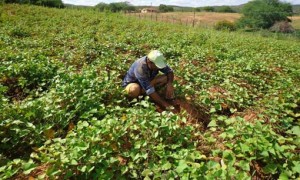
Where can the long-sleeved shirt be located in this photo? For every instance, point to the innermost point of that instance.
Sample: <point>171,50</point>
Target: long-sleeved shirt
<point>140,73</point>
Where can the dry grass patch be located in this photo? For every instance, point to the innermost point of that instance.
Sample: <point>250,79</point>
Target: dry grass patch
<point>296,22</point>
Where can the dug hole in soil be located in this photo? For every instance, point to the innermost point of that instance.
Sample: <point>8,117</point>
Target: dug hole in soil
<point>195,113</point>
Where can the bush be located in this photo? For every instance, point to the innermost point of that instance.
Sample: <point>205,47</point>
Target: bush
<point>264,13</point>
<point>283,27</point>
<point>225,9</point>
<point>225,25</point>
<point>209,9</point>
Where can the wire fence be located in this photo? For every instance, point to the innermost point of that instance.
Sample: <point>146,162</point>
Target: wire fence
<point>187,21</point>
<point>191,20</point>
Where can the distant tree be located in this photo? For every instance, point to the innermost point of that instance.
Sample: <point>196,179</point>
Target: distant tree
<point>198,9</point>
<point>117,7</point>
<point>130,8</point>
<point>209,9</point>
<point>162,8</point>
<point>11,1</point>
<point>48,3</point>
<point>264,13</point>
<point>165,8</point>
<point>225,9</point>
<point>102,7</point>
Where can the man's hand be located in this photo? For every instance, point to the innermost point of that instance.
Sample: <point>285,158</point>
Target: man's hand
<point>170,91</point>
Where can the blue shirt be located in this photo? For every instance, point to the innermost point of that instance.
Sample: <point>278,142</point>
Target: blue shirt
<point>140,73</point>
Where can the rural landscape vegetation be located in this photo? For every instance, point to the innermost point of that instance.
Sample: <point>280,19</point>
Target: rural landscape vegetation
<point>64,114</point>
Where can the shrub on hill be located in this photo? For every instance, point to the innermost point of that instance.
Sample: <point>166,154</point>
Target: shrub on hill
<point>225,25</point>
<point>165,8</point>
<point>209,9</point>
<point>115,7</point>
<point>283,27</point>
<point>264,13</point>
<point>225,9</point>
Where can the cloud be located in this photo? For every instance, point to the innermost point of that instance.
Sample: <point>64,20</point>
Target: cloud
<point>195,3</point>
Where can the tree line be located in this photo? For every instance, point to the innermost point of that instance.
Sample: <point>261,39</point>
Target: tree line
<point>47,3</point>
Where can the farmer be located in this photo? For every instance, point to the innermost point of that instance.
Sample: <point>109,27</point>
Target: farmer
<point>141,78</point>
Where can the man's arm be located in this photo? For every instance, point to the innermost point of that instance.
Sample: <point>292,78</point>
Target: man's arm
<point>170,77</point>
<point>170,87</point>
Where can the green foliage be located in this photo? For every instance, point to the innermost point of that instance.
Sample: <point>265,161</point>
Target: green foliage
<point>132,143</point>
<point>102,7</point>
<point>47,3</point>
<point>64,114</point>
<point>198,9</point>
<point>264,13</point>
<point>209,9</point>
<point>165,8</point>
<point>115,7</point>
<point>225,25</point>
<point>225,9</point>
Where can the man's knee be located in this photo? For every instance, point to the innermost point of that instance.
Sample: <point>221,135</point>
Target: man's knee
<point>133,90</point>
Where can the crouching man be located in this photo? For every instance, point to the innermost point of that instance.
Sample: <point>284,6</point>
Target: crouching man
<point>142,78</point>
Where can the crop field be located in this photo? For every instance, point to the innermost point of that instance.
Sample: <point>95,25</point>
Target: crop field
<point>64,115</point>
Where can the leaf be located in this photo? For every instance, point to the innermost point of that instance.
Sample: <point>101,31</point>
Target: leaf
<point>244,165</point>
<point>166,166</point>
<point>218,107</point>
<point>83,168</point>
<point>85,124</point>
<point>245,148</point>
<point>181,166</point>
<point>270,168</point>
<point>71,126</point>
<point>212,110</point>
<point>156,134</point>
<point>206,101</point>
<point>283,176</point>
<point>28,167</point>
<point>145,104</point>
<point>49,133</point>
<point>265,153</point>
<point>146,172</point>
<point>2,168</point>
<point>124,169</point>
<point>74,162</point>
<point>296,167</point>
<point>296,130</point>
<point>212,123</point>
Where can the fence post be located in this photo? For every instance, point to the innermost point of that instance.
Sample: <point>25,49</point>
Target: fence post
<point>194,18</point>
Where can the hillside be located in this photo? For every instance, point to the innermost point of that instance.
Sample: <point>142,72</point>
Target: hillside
<point>64,114</point>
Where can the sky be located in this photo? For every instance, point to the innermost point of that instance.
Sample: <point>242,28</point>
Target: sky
<point>190,3</point>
